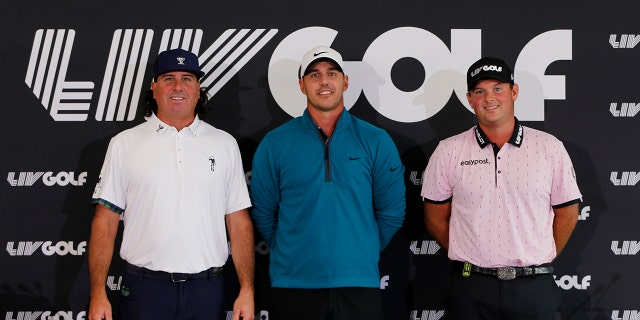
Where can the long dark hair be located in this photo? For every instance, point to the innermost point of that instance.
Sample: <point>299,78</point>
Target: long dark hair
<point>151,106</point>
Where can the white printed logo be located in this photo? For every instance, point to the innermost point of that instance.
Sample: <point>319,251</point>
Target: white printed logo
<point>427,247</point>
<point>626,315</point>
<point>414,177</point>
<point>486,68</point>
<point>628,248</point>
<point>572,282</point>
<point>625,41</point>
<point>124,74</point>
<point>584,213</point>
<point>426,315</point>
<point>384,282</point>
<point>67,315</point>
<point>624,178</point>
<point>62,248</point>
<point>113,284</point>
<point>445,71</point>
<point>28,179</point>
<point>628,110</point>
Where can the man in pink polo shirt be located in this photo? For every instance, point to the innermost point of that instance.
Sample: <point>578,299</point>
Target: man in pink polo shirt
<point>502,199</point>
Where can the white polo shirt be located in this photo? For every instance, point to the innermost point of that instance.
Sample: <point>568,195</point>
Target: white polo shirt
<point>501,210</point>
<point>174,190</point>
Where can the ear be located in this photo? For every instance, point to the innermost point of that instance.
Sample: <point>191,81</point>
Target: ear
<point>514,92</point>
<point>302,89</point>
<point>153,88</point>
<point>346,82</point>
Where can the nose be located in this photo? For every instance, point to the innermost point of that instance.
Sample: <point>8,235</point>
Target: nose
<point>489,96</point>
<point>177,85</point>
<point>323,78</point>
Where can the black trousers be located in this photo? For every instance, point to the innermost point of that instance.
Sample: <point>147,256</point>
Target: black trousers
<point>486,297</point>
<point>325,304</point>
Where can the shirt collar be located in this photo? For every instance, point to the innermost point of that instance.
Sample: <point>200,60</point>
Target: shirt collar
<point>343,119</point>
<point>162,128</point>
<point>516,136</point>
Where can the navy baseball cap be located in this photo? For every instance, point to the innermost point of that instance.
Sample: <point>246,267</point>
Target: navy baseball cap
<point>488,68</point>
<point>176,60</point>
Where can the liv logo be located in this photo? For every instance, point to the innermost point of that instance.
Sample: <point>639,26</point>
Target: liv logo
<point>624,110</point>
<point>625,248</point>
<point>624,41</point>
<point>426,247</point>
<point>124,74</point>
<point>624,178</point>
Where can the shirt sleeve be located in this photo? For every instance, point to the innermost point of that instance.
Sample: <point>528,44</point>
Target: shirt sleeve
<point>564,187</point>
<point>109,190</point>
<point>435,183</point>
<point>264,191</point>
<point>238,194</point>
<point>388,190</point>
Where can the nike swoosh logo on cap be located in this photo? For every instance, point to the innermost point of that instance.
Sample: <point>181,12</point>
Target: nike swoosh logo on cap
<point>319,53</point>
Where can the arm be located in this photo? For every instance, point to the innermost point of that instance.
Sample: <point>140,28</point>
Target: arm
<point>240,232</point>
<point>104,229</point>
<point>436,217</point>
<point>564,222</point>
<point>265,192</point>
<point>389,200</point>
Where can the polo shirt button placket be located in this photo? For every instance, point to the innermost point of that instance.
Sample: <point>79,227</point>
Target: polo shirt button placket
<point>179,149</point>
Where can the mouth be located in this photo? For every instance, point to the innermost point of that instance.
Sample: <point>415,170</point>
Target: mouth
<point>491,107</point>
<point>325,92</point>
<point>177,98</point>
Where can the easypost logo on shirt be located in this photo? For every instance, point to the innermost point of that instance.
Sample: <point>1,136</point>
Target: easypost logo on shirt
<point>474,162</point>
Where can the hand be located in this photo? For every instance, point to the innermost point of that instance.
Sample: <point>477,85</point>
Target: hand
<point>243,307</point>
<point>100,308</point>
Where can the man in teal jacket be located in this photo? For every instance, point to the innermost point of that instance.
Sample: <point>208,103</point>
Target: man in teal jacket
<point>328,195</point>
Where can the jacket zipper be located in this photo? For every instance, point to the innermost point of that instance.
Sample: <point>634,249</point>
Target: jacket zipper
<point>327,160</point>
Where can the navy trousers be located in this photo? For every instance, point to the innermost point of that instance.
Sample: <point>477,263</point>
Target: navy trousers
<point>144,298</point>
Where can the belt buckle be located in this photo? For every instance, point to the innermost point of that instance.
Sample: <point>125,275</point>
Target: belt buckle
<point>506,273</point>
<point>217,271</point>
<point>179,279</point>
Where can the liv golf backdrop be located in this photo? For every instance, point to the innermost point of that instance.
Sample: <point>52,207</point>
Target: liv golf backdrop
<point>73,72</point>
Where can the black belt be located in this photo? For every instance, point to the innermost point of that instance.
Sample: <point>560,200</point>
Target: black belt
<point>173,277</point>
<point>505,273</point>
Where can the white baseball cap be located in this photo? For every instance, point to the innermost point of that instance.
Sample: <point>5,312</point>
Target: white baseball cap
<point>320,53</point>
